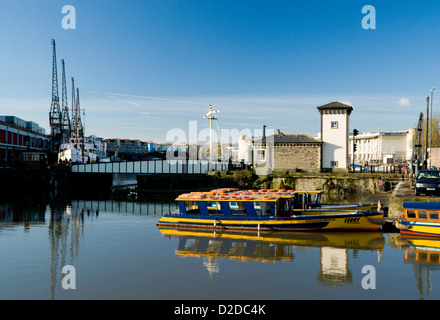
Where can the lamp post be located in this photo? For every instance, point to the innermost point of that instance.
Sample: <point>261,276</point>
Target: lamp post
<point>430,129</point>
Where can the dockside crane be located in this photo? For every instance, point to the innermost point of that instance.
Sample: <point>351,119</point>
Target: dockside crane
<point>55,115</point>
<point>78,129</point>
<point>65,124</point>
<point>77,126</point>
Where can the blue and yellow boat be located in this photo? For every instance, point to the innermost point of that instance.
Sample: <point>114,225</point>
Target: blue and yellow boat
<point>420,219</point>
<point>264,210</point>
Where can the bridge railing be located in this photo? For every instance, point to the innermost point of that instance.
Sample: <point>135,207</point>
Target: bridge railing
<point>152,167</point>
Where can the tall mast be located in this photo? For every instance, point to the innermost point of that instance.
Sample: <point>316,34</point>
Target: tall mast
<point>73,122</point>
<point>210,116</point>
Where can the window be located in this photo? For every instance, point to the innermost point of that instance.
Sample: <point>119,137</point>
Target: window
<point>261,155</point>
<point>433,215</point>
<point>192,207</point>
<point>334,124</point>
<point>262,208</point>
<point>411,214</point>
<point>334,164</point>
<point>237,208</point>
<point>423,215</point>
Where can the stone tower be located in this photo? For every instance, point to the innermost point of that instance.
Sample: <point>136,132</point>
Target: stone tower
<point>334,135</point>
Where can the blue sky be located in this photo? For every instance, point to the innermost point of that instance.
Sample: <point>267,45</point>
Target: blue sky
<point>146,67</point>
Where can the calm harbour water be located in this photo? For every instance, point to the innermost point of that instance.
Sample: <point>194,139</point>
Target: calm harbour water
<point>118,253</point>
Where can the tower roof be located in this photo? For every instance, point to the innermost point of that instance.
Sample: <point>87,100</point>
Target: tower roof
<point>336,106</point>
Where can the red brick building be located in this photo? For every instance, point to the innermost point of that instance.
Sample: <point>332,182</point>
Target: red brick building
<point>21,141</point>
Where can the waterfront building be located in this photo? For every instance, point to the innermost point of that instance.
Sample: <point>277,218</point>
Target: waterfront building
<point>382,148</point>
<point>244,151</point>
<point>129,147</point>
<point>21,141</point>
<point>334,135</point>
<point>286,153</point>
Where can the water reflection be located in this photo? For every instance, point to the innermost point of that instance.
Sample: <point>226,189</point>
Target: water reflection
<point>275,247</point>
<point>20,213</point>
<point>424,256</point>
<point>61,234</point>
<point>67,228</point>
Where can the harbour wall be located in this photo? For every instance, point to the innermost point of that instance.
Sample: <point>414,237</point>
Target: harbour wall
<point>96,184</point>
<point>331,183</point>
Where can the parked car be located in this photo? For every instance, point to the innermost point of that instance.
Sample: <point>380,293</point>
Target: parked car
<point>428,182</point>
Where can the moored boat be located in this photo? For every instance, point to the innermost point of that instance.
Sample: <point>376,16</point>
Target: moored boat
<point>265,210</point>
<point>420,219</point>
<point>75,151</point>
<point>311,200</point>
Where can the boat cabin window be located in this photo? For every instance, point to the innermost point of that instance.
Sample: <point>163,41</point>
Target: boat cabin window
<point>192,207</point>
<point>262,208</point>
<point>214,207</point>
<point>422,214</point>
<point>237,208</point>
<point>284,208</point>
<point>299,201</point>
<point>313,198</point>
<point>411,214</point>
<point>433,215</point>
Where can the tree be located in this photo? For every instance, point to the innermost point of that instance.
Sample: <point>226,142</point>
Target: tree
<point>435,131</point>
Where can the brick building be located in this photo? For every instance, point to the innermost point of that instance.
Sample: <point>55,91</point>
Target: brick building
<point>21,141</point>
<point>287,152</point>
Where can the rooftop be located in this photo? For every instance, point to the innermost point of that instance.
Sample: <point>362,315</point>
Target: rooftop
<point>335,105</point>
<point>290,138</point>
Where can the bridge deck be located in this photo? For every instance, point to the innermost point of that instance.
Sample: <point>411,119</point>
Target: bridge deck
<point>152,167</point>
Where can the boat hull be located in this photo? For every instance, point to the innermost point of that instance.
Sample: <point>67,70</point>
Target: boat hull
<point>342,222</point>
<point>419,229</point>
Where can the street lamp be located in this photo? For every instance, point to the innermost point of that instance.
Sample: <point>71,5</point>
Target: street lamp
<point>430,128</point>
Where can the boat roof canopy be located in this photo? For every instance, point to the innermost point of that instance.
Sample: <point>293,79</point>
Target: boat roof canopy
<point>234,194</point>
<point>422,205</point>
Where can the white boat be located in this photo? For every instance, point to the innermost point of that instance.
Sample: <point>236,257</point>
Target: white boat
<point>72,151</point>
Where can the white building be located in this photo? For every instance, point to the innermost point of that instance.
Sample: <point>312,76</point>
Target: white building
<point>334,135</point>
<point>244,150</point>
<point>377,148</point>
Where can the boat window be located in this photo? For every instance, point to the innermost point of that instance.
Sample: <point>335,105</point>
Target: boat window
<point>262,208</point>
<point>299,201</point>
<point>284,208</point>
<point>257,207</point>
<point>312,198</point>
<point>237,208</point>
<point>192,207</point>
<point>214,207</point>
<point>411,214</point>
<point>433,215</point>
<point>422,215</point>
<point>284,204</point>
<point>434,257</point>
